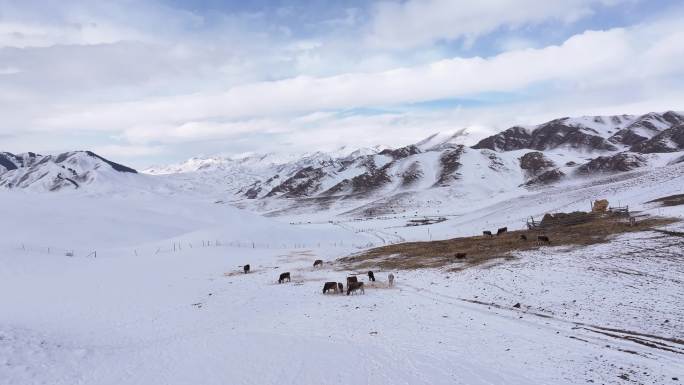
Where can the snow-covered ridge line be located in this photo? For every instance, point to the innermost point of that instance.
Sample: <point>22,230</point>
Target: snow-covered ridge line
<point>68,170</point>
<point>440,166</point>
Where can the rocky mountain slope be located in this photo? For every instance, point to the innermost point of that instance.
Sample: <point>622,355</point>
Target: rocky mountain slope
<point>532,156</point>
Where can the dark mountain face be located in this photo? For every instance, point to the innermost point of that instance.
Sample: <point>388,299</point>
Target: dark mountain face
<point>645,127</point>
<point>627,137</point>
<point>8,161</point>
<point>546,177</point>
<point>514,138</point>
<point>535,162</point>
<point>411,175</point>
<point>303,183</point>
<point>539,169</point>
<point>553,134</point>
<point>450,163</point>
<point>556,133</point>
<point>621,162</point>
<point>402,152</point>
<point>669,140</point>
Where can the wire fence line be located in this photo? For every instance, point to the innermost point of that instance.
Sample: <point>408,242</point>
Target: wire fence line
<point>182,245</point>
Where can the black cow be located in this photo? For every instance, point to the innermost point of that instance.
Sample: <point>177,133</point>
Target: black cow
<point>246,269</point>
<point>487,233</point>
<point>371,276</point>
<point>523,237</point>
<point>543,239</point>
<point>501,230</point>
<point>340,287</point>
<point>318,262</point>
<point>351,279</point>
<point>460,255</point>
<point>283,277</point>
<point>330,286</point>
<point>354,287</point>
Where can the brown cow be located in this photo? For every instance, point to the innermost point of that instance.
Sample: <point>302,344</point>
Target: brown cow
<point>352,279</point>
<point>340,287</point>
<point>354,287</point>
<point>283,277</point>
<point>318,262</point>
<point>330,286</point>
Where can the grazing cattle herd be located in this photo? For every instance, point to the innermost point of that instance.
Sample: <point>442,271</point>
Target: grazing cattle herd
<point>541,239</point>
<point>355,286</point>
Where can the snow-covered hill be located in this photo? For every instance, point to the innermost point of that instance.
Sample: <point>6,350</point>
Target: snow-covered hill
<point>69,170</point>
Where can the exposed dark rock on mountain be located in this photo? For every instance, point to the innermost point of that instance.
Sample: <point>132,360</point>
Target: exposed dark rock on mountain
<point>535,162</point>
<point>669,140</point>
<point>557,133</point>
<point>495,162</point>
<point>450,163</point>
<point>645,127</point>
<point>627,137</point>
<point>305,182</point>
<point>8,161</point>
<point>412,174</point>
<point>514,138</point>
<point>550,135</point>
<point>402,152</point>
<point>546,177</point>
<point>363,183</point>
<point>621,162</point>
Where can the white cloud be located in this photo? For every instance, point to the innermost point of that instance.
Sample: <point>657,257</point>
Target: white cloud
<point>616,56</point>
<point>24,35</point>
<point>403,25</point>
<point>163,80</point>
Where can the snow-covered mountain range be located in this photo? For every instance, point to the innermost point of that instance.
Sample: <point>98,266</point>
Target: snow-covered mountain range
<point>376,180</point>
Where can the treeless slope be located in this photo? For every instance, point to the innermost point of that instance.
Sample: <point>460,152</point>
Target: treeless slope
<point>481,249</point>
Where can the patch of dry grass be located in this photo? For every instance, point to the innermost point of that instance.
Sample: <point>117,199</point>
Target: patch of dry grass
<point>480,249</point>
<point>671,200</point>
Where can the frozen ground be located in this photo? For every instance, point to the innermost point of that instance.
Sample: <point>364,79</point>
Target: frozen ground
<point>141,313</point>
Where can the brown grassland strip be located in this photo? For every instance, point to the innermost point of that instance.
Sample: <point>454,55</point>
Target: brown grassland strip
<point>482,249</point>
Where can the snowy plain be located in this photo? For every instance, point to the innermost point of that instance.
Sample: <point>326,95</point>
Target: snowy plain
<point>165,300</point>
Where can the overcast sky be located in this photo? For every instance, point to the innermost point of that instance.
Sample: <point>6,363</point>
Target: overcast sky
<point>148,82</point>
